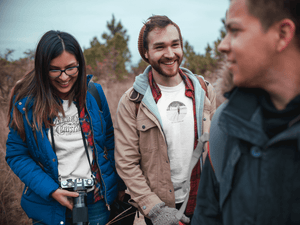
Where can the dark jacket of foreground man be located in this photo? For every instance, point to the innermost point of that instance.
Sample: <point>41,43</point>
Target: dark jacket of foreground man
<point>259,173</point>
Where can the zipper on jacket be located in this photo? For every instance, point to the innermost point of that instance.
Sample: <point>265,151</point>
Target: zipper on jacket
<point>105,153</point>
<point>96,155</point>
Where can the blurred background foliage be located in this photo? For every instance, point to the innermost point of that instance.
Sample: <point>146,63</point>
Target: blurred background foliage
<point>109,57</point>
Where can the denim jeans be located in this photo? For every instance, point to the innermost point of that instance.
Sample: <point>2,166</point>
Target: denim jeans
<point>98,212</point>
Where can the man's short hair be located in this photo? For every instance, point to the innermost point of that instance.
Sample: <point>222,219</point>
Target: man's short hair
<point>152,23</point>
<point>271,11</point>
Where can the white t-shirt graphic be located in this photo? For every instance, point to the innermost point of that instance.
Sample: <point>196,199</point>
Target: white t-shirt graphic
<point>70,151</point>
<point>176,111</point>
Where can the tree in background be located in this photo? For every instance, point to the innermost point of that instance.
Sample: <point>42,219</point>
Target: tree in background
<point>7,54</point>
<point>29,53</point>
<point>111,57</point>
<point>141,66</point>
<point>207,63</point>
<point>218,55</point>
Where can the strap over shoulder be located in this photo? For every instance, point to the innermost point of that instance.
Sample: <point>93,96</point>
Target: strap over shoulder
<point>136,97</point>
<point>217,142</point>
<point>93,90</point>
<point>203,84</point>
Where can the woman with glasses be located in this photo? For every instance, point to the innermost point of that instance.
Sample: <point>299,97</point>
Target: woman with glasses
<point>60,139</point>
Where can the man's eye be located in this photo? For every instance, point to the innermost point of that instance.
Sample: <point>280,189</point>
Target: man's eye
<point>234,30</point>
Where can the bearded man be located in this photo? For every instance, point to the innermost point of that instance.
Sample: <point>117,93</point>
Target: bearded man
<point>158,124</point>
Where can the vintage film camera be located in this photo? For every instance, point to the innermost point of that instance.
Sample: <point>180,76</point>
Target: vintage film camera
<point>80,210</point>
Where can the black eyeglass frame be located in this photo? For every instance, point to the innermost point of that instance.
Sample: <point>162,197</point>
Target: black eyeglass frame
<point>65,71</point>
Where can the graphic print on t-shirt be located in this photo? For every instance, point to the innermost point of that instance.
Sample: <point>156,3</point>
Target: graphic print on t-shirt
<point>67,125</point>
<point>176,111</point>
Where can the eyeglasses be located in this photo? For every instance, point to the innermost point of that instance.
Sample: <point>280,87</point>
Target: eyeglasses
<point>69,71</point>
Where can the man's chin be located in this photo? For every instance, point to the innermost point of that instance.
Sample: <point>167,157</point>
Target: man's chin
<point>238,82</point>
<point>169,74</point>
<point>242,83</point>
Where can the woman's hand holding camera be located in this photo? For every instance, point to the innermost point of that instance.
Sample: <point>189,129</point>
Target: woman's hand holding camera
<point>64,197</point>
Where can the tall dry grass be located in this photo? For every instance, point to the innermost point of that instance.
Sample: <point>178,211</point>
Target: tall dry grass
<point>11,187</point>
<point>114,90</point>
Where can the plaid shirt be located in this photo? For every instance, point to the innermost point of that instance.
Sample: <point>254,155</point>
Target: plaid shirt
<point>86,128</point>
<point>189,92</point>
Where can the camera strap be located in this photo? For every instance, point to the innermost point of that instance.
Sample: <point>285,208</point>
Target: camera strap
<point>52,137</point>
<point>86,150</point>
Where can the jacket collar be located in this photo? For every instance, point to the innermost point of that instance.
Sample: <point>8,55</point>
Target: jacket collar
<point>242,117</point>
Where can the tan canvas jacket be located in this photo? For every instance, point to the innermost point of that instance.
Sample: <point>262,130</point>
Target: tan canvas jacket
<point>141,150</point>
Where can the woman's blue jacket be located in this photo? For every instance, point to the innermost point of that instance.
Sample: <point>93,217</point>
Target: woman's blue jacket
<point>35,162</point>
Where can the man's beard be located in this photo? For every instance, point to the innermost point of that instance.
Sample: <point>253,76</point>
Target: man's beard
<point>156,66</point>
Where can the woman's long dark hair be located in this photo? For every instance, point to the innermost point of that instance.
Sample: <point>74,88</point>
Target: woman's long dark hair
<point>37,87</point>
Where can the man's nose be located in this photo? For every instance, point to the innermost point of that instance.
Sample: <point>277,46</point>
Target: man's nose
<point>169,53</point>
<point>224,46</point>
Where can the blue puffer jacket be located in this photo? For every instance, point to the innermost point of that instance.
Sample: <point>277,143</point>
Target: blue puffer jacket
<point>35,162</point>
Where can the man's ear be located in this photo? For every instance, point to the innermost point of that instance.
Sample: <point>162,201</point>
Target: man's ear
<point>286,29</point>
<point>146,54</point>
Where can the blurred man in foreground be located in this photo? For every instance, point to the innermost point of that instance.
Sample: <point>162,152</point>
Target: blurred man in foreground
<point>252,175</point>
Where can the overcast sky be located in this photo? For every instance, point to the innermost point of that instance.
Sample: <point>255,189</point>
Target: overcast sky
<point>22,23</point>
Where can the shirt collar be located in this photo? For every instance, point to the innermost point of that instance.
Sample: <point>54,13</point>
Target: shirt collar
<point>156,92</point>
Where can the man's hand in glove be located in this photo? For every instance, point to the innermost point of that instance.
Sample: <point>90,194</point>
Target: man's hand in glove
<point>162,214</point>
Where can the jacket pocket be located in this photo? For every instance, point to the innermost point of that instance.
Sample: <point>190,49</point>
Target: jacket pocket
<point>40,210</point>
<point>148,132</point>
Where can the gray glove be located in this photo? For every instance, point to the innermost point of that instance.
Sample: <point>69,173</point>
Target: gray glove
<point>161,214</point>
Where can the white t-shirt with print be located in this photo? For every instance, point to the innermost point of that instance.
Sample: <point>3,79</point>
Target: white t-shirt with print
<point>176,111</point>
<point>70,151</point>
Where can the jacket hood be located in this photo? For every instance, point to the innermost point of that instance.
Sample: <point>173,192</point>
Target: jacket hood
<point>141,82</point>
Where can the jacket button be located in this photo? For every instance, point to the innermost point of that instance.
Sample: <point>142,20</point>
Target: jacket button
<point>20,103</point>
<point>143,126</point>
<point>53,160</point>
<point>204,119</point>
<point>24,109</point>
<point>144,207</point>
<point>255,152</point>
